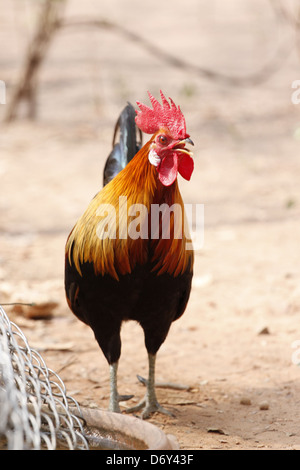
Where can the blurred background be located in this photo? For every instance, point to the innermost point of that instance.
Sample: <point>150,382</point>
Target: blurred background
<point>69,68</point>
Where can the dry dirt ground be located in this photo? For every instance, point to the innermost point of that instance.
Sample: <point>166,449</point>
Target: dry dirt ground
<point>236,346</point>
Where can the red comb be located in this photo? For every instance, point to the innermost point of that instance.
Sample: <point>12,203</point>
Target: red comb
<point>161,116</point>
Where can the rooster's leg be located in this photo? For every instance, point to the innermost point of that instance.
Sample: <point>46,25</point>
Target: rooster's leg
<point>115,398</point>
<point>150,403</point>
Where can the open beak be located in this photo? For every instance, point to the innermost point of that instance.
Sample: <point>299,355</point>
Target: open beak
<point>188,141</point>
<point>179,146</point>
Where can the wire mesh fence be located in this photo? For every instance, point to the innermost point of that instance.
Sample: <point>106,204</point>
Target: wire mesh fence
<point>34,406</point>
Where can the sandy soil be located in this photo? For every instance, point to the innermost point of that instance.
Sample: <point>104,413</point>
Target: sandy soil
<point>233,348</point>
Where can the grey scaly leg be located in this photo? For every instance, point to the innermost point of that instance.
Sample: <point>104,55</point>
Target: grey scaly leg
<point>115,398</point>
<point>150,403</point>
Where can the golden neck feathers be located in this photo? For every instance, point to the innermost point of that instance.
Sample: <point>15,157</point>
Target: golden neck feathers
<point>133,220</point>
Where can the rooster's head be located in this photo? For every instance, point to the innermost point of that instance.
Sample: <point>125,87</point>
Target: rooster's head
<point>167,150</point>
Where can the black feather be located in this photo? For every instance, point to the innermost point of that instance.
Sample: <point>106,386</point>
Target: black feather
<point>124,150</point>
<point>104,303</point>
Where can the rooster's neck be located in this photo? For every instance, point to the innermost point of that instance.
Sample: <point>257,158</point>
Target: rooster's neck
<point>140,181</point>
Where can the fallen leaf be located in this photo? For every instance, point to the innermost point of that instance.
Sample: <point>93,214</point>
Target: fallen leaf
<point>37,310</point>
<point>217,431</point>
<point>264,331</point>
<point>245,401</point>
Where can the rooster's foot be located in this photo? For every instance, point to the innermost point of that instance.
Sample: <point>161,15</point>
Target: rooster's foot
<point>149,407</point>
<point>114,404</point>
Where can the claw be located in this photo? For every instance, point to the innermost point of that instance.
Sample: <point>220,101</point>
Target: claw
<point>114,404</point>
<point>174,386</point>
<point>142,380</point>
<point>125,397</point>
<point>149,408</point>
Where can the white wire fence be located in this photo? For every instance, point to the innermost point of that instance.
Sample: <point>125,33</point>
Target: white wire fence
<point>34,406</point>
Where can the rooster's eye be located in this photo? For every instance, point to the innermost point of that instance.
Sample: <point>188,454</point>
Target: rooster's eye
<point>162,139</point>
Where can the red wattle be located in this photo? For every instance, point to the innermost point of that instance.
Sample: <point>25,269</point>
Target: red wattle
<point>186,167</point>
<point>172,164</point>
<point>168,169</point>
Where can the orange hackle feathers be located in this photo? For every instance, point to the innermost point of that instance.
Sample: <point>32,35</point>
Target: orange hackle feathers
<point>102,235</point>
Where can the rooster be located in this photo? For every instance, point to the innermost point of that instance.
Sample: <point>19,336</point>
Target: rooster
<point>120,268</point>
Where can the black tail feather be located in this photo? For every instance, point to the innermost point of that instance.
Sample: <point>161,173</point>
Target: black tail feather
<point>127,146</point>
